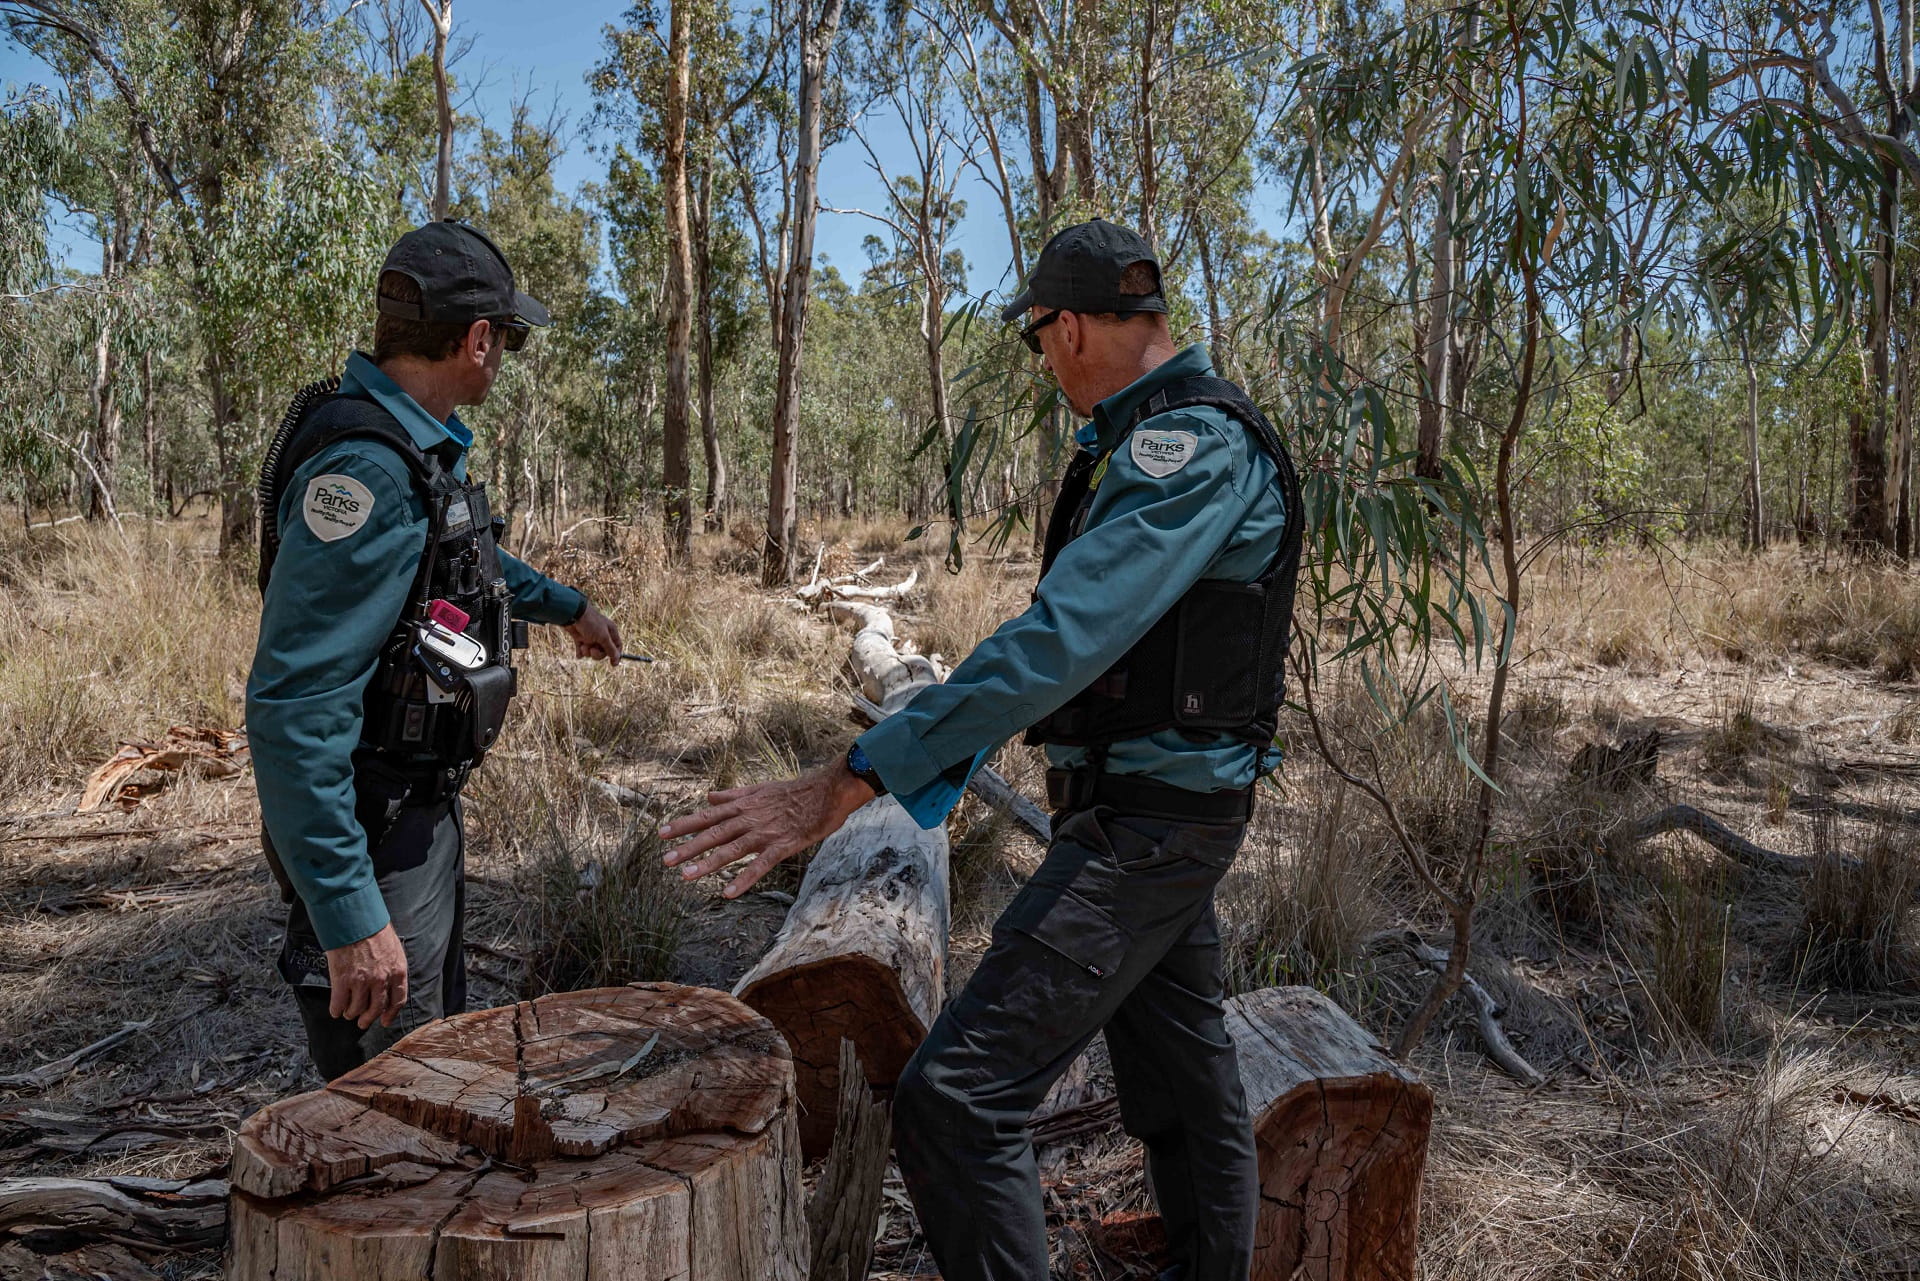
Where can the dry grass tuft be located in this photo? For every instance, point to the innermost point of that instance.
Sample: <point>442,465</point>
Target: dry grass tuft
<point>1310,895</point>
<point>1858,927</point>
<point>1687,953</point>
<point>593,923</point>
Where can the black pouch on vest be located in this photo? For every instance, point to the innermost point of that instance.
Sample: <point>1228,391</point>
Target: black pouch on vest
<point>490,688</point>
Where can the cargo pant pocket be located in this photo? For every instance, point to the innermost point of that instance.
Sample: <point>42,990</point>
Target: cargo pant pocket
<point>1068,924</point>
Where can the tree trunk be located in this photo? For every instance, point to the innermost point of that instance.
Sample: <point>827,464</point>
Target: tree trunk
<point>641,1133</point>
<point>678,471</point>
<point>1341,1130</point>
<point>714,506</point>
<point>1756,528</point>
<point>783,515</point>
<point>441,15</point>
<point>1437,364</point>
<point>863,953</point>
<point>1867,523</point>
<point>149,425</point>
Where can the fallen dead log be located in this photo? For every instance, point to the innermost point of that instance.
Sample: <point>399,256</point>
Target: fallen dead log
<point>59,1130</point>
<point>644,1133</point>
<point>862,954</point>
<point>173,1214</point>
<point>88,1263</point>
<point>1341,1129</point>
<point>1685,818</point>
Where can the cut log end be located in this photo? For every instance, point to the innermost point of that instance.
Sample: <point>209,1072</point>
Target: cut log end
<point>1341,1129</point>
<point>644,1132</point>
<point>851,997</point>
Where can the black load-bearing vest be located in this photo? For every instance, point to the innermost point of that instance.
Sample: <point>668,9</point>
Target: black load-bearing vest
<point>1214,663</point>
<point>421,713</point>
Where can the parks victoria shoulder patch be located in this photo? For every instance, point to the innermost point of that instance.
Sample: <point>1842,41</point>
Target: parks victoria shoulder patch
<point>1162,453</point>
<point>336,506</point>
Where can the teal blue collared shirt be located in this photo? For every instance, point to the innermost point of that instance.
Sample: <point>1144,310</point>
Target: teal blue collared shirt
<point>330,606</point>
<point>1157,525</point>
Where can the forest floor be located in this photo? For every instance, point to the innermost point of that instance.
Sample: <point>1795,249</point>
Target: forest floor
<point>1732,1054</point>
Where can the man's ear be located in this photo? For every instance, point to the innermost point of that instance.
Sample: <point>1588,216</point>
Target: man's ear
<point>479,341</point>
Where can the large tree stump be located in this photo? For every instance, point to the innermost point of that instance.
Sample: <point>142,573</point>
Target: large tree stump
<point>641,1133</point>
<point>862,954</point>
<point>1342,1133</point>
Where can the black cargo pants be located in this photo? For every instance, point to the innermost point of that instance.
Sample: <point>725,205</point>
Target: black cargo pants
<point>1115,930</point>
<point>419,862</point>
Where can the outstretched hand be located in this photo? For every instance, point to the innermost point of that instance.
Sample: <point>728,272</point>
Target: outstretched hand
<point>767,822</point>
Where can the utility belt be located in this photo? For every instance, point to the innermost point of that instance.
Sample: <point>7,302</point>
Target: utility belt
<point>406,784</point>
<point>1089,785</point>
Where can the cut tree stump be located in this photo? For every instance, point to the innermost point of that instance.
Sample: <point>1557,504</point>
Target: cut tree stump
<point>644,1133</point>
<point>1341,1129</point>
<point>862,954</point>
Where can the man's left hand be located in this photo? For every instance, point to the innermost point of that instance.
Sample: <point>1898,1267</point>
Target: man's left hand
<point>595,636</point>
<point>768,822</point>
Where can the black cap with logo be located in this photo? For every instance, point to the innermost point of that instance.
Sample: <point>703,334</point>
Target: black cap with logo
<point>1080,268</point>
<point>463,277</point>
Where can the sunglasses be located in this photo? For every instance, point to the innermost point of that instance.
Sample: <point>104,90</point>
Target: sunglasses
<point>513,333</point>
<point>1031,334</point>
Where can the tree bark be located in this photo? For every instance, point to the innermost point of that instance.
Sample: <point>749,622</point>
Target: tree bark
<point>714,506</point>
<point>1756,526</point>
<point>678,471</point>
<point>783,513</point>
<point>1341,1129</point>
<point>643,1133</point>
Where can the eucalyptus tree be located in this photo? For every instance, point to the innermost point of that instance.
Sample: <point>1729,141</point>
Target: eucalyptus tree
<point>222,98</point>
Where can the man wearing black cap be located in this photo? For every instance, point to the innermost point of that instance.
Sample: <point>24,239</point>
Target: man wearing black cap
<point>1149,665</point>
<point>383,669</point>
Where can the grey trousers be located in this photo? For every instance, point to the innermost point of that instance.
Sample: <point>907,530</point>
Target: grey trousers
<point>1116,930</point>
<point>419,862</point>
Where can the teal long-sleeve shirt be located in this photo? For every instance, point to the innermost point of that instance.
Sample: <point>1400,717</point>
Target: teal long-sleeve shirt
<point>1154,529</point>
<point>330,606</point>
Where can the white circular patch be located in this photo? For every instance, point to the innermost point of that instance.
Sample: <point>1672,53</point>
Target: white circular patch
<point>1162,453</point>
<point>336,506</point>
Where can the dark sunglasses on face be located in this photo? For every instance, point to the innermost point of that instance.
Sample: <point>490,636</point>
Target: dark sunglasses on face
<point>513,333</point>
<point>1031,334</point>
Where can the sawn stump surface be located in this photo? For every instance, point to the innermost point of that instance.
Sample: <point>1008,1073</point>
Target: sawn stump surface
<point>645,1133</point>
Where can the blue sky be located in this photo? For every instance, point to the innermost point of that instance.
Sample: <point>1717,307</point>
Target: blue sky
<point>548,48</point>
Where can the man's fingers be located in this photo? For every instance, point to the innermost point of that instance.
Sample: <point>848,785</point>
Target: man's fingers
<point>354,1003</point>
<point>396,998</point>
<point>709,839</point>
<point>732,852</point>
<point>698,821</point>
<point>747,876</point>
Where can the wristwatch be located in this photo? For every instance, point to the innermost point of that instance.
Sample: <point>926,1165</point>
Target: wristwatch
<point>861,768</point>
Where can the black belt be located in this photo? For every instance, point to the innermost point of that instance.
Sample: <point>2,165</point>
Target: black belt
<point>1079,789</point>
<point>412,782</point>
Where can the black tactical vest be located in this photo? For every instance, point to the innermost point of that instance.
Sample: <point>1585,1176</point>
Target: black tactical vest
<point>1215,663</point>
<point>423,714</point>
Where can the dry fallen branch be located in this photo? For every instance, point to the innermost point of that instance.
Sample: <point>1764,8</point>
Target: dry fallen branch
<point>50,1074</point>
<point>1487,1011</point>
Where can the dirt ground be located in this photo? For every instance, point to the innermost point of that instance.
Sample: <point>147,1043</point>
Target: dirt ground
<point>1718,1103</point>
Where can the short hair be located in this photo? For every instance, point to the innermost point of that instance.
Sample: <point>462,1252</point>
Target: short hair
<point>1138,280</point>
<point>395,336</point>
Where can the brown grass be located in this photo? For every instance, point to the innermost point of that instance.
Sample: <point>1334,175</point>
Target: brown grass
<point>1696,1126</point>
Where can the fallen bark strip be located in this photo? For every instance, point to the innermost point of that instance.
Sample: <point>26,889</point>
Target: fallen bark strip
<point>163,1213</point>
<point>57,1130</point>
<point>1487,1011</point>
<point>1685,818</point>
<point>987,783</point>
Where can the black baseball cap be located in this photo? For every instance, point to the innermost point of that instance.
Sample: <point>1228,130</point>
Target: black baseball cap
<point>463,277</point>
<point>1080,268</point>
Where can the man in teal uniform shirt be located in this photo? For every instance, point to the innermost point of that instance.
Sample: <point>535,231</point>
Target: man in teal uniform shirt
<point>359,760</point>
<point>1149,665</point>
